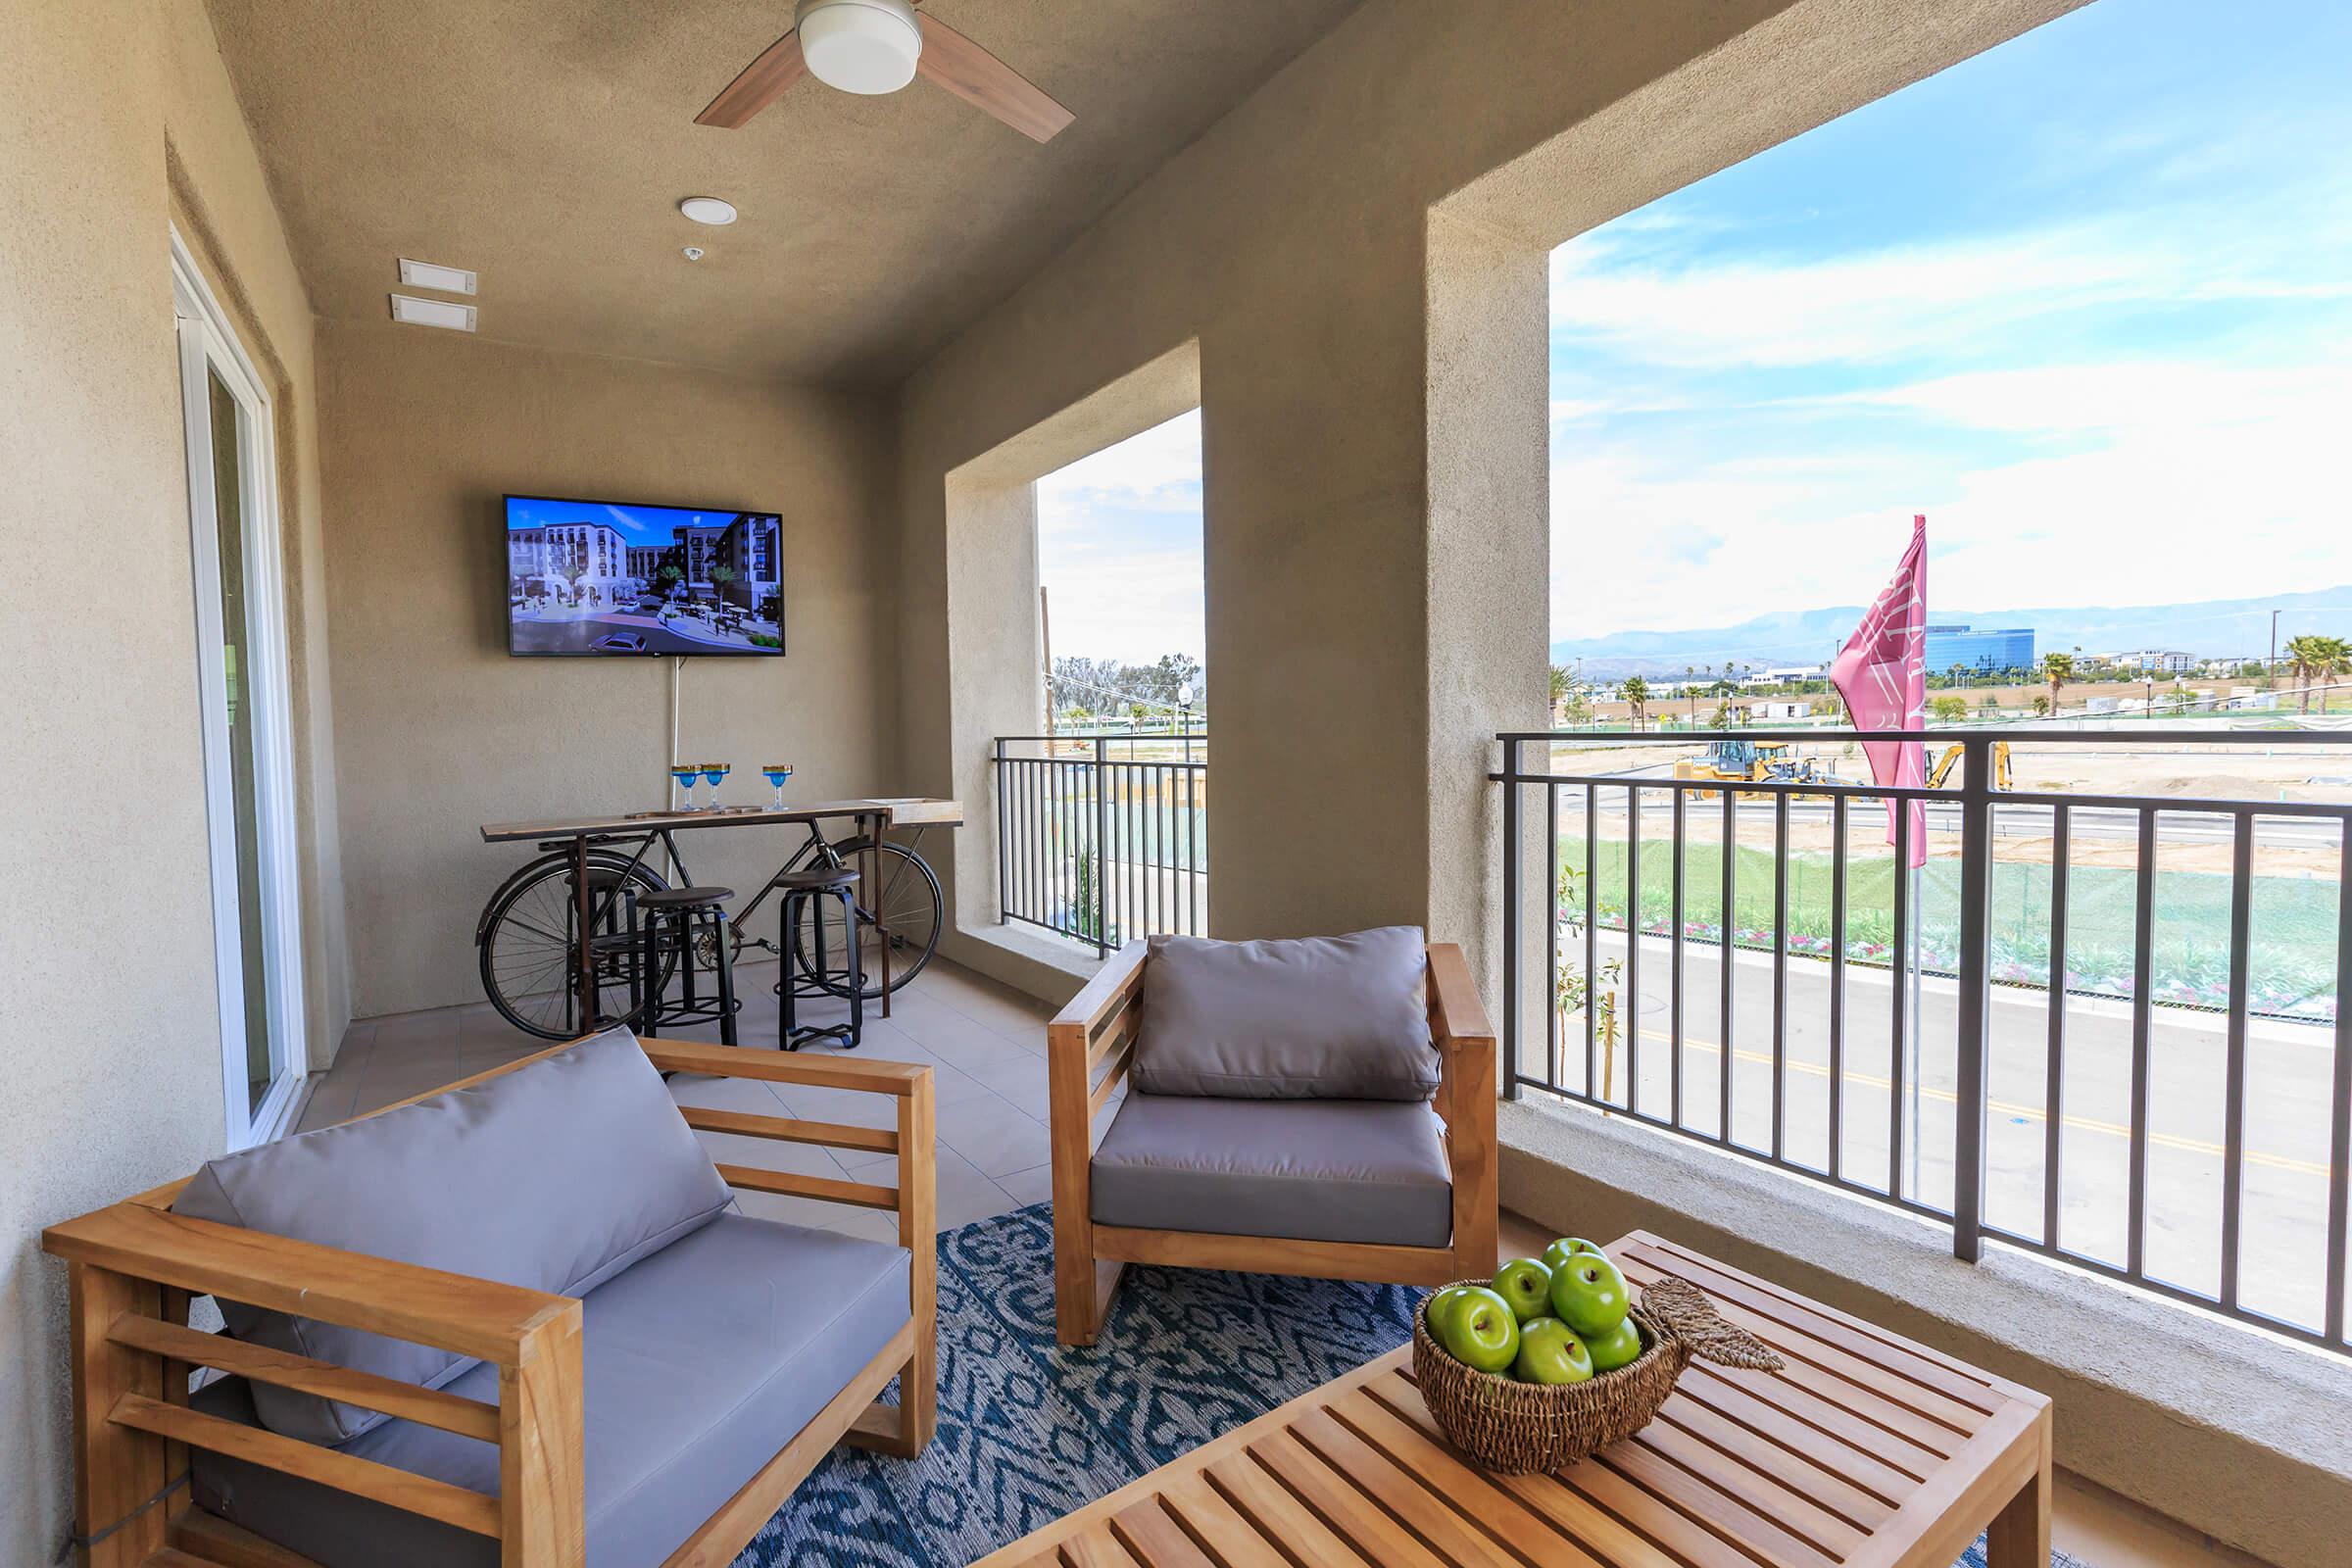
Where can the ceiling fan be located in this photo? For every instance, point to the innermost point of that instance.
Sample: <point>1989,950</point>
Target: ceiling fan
<point>878,46</point>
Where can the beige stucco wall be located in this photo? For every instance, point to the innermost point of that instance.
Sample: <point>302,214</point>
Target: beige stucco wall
<point>1358,251</point>
<point>117,120</point>
<point>441,731</point>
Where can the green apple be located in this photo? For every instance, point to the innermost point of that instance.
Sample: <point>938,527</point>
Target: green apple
<point>1527,1284</point>
<point>1551,1352</point>
<point>1620,1347</point>
<point>1441,1306</point>
<point>1557,1254</point>
<point>1482,1332</point>
<point>1589,1296</point>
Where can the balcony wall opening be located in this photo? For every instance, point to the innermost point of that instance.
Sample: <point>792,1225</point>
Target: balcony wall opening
<point>1079,832</point>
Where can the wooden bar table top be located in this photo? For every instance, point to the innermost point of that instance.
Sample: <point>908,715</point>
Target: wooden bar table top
<point>1867,1450</point>
<point>898,810</point>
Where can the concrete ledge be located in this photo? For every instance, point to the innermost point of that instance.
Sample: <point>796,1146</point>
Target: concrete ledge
<point>2233,1432</point>
<point>1022,957</point>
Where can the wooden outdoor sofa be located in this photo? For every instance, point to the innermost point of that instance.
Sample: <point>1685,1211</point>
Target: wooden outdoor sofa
<point>135,1266</point>
<point>1091,1047</point>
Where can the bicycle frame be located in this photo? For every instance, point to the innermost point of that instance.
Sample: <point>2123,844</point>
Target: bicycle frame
<point>815,849</point>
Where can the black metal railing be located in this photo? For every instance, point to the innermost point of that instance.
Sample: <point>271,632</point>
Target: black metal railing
<point>2185,1025</point>
<point>1103,838</point>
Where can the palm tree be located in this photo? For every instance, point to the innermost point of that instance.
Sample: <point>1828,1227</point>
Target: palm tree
<point>1637,697</point>
<point>1563,683</point>
<point>2314,657</point>
<point>1691,674</point>
<point>2057,669</point>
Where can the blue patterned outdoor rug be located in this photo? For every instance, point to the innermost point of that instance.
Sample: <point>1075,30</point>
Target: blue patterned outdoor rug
<point>1029,1431</point>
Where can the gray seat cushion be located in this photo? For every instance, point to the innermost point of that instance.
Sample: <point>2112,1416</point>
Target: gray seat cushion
<point>555,1176</point>
<point>1320,1170</point>
<point>1314,1018</point>
<point>702,1361</point>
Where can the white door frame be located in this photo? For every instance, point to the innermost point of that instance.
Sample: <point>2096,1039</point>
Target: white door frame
<point>209,346</point>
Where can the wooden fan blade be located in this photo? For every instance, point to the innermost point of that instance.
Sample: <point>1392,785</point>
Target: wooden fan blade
<point>979,77</point>
<point>763,82</point>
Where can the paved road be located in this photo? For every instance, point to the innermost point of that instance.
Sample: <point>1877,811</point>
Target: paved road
<point>2288,1092</point>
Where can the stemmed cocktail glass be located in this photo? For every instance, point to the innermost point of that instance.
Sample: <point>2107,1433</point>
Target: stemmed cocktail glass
<point>776,773</point>
<point>713,775</point>
<point>684,773</point>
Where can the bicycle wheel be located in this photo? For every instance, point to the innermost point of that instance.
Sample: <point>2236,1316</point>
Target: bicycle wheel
<point>911,908</point>
<point>527,941</point>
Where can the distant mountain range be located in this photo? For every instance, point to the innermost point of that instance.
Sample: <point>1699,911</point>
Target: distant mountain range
<point>2208,628</point>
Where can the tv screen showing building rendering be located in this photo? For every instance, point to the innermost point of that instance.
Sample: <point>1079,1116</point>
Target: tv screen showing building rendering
<point>602,578</point>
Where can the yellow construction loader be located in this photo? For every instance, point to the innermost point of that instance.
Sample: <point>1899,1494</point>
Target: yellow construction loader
<point>1737,762</point>
<point>2002,779</point>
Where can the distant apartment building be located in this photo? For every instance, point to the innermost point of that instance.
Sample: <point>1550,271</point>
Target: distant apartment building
<point>575,563</point>
<point>745,551</point>
<point>1969,649</point>
<point>747,548</point>
<point>645,561</point>
<point>2162,661</point>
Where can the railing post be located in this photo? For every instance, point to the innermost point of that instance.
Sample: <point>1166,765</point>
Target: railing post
<point>1003,838</point>
<point>1976,933</point>
<point>1511,920</point>
<point>1101,865</point>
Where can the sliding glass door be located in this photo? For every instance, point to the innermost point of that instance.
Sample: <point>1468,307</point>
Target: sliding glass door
<point>241,677</point>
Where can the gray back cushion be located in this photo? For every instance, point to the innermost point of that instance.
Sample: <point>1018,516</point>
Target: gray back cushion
<point>555,1176</point>
<point>1314,1018</point>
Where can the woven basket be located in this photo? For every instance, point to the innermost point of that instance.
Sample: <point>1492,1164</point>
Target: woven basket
<point>1517,1429</point>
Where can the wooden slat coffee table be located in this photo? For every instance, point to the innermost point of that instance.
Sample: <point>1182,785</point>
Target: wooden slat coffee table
<point>1868,1450</point>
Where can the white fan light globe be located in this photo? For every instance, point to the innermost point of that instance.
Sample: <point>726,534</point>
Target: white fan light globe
<point>860,46</point>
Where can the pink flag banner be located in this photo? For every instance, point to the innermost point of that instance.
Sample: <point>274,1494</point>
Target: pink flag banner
<point>1883,674</point>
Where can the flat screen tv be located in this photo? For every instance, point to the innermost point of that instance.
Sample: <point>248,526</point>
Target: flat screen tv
<point>601,579</point>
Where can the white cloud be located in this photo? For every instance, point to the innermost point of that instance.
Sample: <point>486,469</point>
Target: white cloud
<point>1118,538</point>
<point>2141,483</point>
<point>1880,306</point>
<point>1158,471</point>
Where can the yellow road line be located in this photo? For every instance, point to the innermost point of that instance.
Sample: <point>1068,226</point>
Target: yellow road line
<point>2193,1146</point>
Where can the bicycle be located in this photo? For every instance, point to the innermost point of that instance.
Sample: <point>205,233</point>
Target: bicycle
<point>529,933</point>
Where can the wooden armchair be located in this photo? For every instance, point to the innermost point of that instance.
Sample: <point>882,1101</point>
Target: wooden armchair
<point>1089,1046</point>
<point>134,1267</point>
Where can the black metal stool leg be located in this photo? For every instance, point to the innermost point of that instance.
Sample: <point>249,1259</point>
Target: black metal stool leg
<point>856,968</point>
<point>649,964</point>
<point>628,898</point>
<point>726,977</point>
<point>788,1036</point>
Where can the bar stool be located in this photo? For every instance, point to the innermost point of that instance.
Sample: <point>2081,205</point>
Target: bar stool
<point>813,977</point>
<point>677,916</point>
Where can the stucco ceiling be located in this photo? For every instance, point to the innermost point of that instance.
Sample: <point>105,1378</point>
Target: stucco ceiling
<point>546,144</point>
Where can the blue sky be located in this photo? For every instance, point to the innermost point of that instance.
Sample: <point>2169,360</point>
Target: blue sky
<point>2084,300</point>
<point>1118,548</point>
<point>638,524</point>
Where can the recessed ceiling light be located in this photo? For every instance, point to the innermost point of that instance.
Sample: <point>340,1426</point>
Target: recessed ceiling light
<point>708,210</point>
<point>433,312</point>
<point>693,253</point>
<point>424,274</point>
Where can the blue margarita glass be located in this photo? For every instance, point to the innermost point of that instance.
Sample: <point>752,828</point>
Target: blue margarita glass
<point>713,775</point>
<point>685,773</point>
<point>776,773</point>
